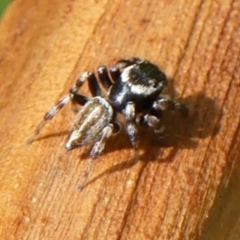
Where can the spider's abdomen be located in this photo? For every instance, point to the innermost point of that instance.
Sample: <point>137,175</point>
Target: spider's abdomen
<point>90,122</point>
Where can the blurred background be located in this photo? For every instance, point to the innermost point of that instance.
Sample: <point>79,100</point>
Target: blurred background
<point>3,6</point>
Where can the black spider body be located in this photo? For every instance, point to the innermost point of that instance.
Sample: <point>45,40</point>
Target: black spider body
<point>140,83</point>
<point>132,87</point>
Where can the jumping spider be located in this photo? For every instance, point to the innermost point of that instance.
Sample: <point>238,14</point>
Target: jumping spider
<point>133,88</point>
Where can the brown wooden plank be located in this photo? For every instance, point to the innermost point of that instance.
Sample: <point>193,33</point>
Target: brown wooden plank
<point>185,187</point>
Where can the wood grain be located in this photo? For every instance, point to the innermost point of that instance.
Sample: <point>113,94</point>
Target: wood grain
<point>185,187</point>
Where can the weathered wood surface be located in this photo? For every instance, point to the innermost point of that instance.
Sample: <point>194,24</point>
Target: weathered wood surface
<point>186,187</point>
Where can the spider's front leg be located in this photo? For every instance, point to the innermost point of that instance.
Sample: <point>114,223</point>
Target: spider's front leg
<point>73,97</point>
<point>165,103</point>
<point>152,120</point>
<point>131,126</point>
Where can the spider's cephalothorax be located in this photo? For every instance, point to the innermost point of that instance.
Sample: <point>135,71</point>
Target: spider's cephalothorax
<point>132,87</point>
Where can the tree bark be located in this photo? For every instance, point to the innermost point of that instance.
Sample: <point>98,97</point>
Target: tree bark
<point>186,185</point>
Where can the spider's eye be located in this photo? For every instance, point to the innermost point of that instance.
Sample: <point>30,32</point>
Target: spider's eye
<point>153,83</point>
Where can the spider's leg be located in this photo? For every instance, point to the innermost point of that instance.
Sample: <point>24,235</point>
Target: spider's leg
<point>78,99</point>
<point>97,149</point>
<point>114,72</point>
<point>164,103</point>
<point>104,77</point>
<point>152,121</point>
<point>131,127</point>
<point>158,107</point>
<point>73,97</point>
<point>48,116</point>
<point>94,85</point>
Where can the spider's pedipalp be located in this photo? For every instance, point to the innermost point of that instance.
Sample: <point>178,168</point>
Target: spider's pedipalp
<point>164,103</point>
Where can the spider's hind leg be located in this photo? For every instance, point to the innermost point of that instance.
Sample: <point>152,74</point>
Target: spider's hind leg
<point>72,97</point>
<point>48,116</point>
